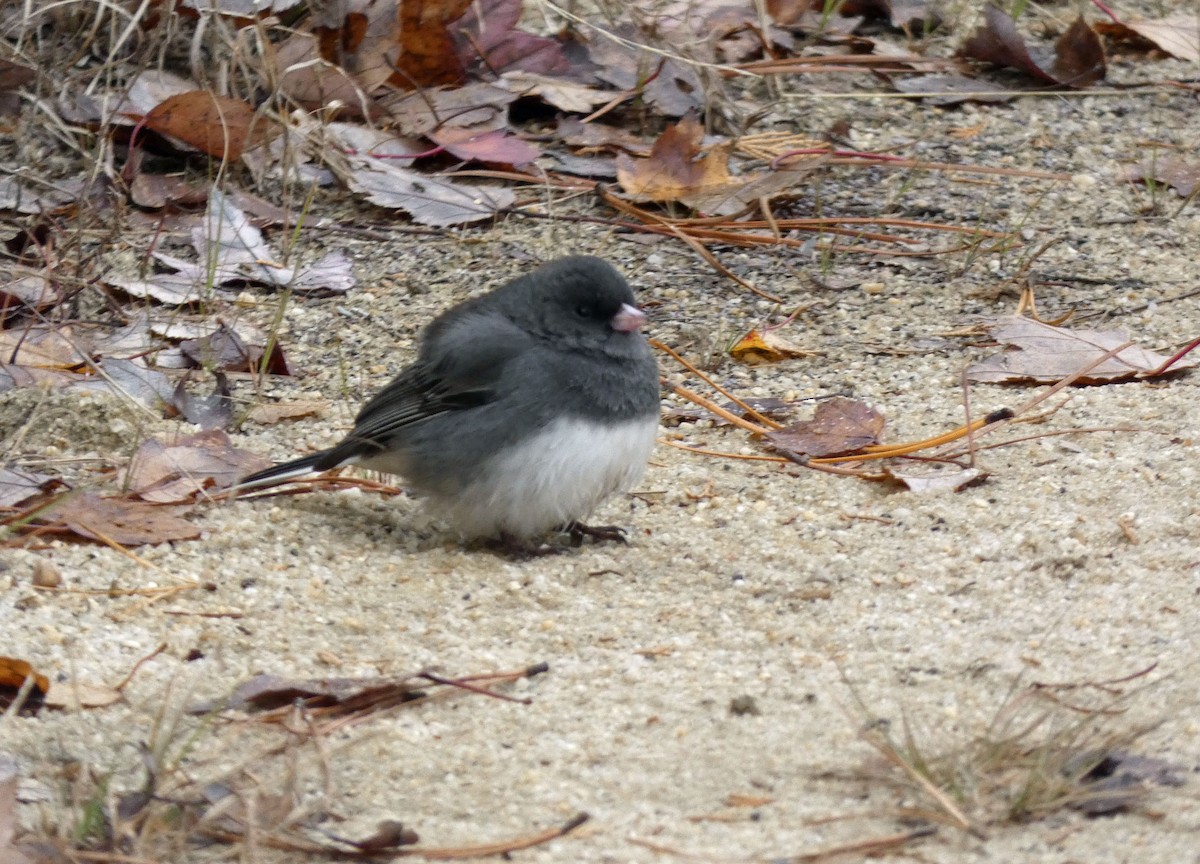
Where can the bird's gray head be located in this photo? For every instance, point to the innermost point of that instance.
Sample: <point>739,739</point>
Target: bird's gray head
<point>581,300</point>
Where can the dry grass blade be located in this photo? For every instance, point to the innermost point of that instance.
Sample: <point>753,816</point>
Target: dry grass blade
<point>1038,754</point>
<point>869,847</point>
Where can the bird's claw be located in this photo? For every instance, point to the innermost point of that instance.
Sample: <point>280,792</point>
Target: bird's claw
<point>599,533</point>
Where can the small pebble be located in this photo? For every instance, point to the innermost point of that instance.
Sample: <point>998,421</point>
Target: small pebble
<point>46,574</point>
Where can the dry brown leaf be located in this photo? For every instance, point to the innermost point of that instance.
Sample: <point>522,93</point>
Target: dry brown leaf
<point>1077,60</point>
<point>154,191</point>
<point>675,167</point>
<point>316,83</point>
<point>733,196</point>
<point>492,146</point>
<point>55,347</point>
<point>554,91</point>
<point>428,199</point>
<point>671,86</point>
<point>17,486</point>
<point>13,673</point>
<point>428,56</point>
<point>216,125</point>
<point>228,350</point>
<point>490,41</point>
<point>1040,352</point>
<point>80,694</point>
<point>839,426</point>
<point>478,106</point>
<point>138,98</point>
<point>22,292</point>
<point>170,473</point>
<point>1179,172</point>
<point>128,523</point>
<point>1177,35</point>
<point>766,346</point>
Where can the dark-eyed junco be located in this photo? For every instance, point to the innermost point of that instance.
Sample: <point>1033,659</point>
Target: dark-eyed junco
<point>525,408</point>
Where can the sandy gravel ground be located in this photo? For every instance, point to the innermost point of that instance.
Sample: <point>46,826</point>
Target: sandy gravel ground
<point>828,601</point>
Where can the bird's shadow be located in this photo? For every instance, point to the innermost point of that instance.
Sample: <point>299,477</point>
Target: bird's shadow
<point>400,519</point>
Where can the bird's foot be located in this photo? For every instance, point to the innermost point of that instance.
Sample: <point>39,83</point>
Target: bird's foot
<point>599,533</point>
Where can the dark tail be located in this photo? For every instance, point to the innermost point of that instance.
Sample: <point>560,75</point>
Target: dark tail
<point>283,472</point>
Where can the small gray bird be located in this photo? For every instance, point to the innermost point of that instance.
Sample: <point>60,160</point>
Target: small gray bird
<point>526,407</point>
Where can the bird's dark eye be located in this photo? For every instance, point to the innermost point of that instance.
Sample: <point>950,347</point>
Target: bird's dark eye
<point>583,311</point>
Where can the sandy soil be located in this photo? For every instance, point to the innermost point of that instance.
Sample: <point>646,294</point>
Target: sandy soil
<point>830,602</point>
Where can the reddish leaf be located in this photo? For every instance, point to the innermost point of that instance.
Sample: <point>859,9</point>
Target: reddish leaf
<point>488,38</point>
<point>13,674</point>
<point>216,125</point>
<point>1077,59</point>
<point>428,56</point>
<point>493,147</point>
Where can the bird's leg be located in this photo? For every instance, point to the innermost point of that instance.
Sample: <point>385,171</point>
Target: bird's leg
<point>599,533</point>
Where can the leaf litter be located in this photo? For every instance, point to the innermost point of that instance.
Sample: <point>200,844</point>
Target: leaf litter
<point>665,88</point>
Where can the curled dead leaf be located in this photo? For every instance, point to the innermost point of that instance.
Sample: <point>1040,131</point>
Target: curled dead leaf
<point>766,346</point>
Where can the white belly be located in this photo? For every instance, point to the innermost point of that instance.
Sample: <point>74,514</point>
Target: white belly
<point>556,477</point>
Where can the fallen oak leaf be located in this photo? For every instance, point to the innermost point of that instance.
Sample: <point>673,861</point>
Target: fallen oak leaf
<point>675,167</point>
<point>1040,352</point>
<point>170,473</point>
<point>114,520</point>
<point>839,426</point>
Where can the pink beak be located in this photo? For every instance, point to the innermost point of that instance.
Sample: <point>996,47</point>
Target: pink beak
<point>629,319</point>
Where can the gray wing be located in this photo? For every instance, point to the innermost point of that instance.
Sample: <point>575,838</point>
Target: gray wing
<point>461,366</point>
